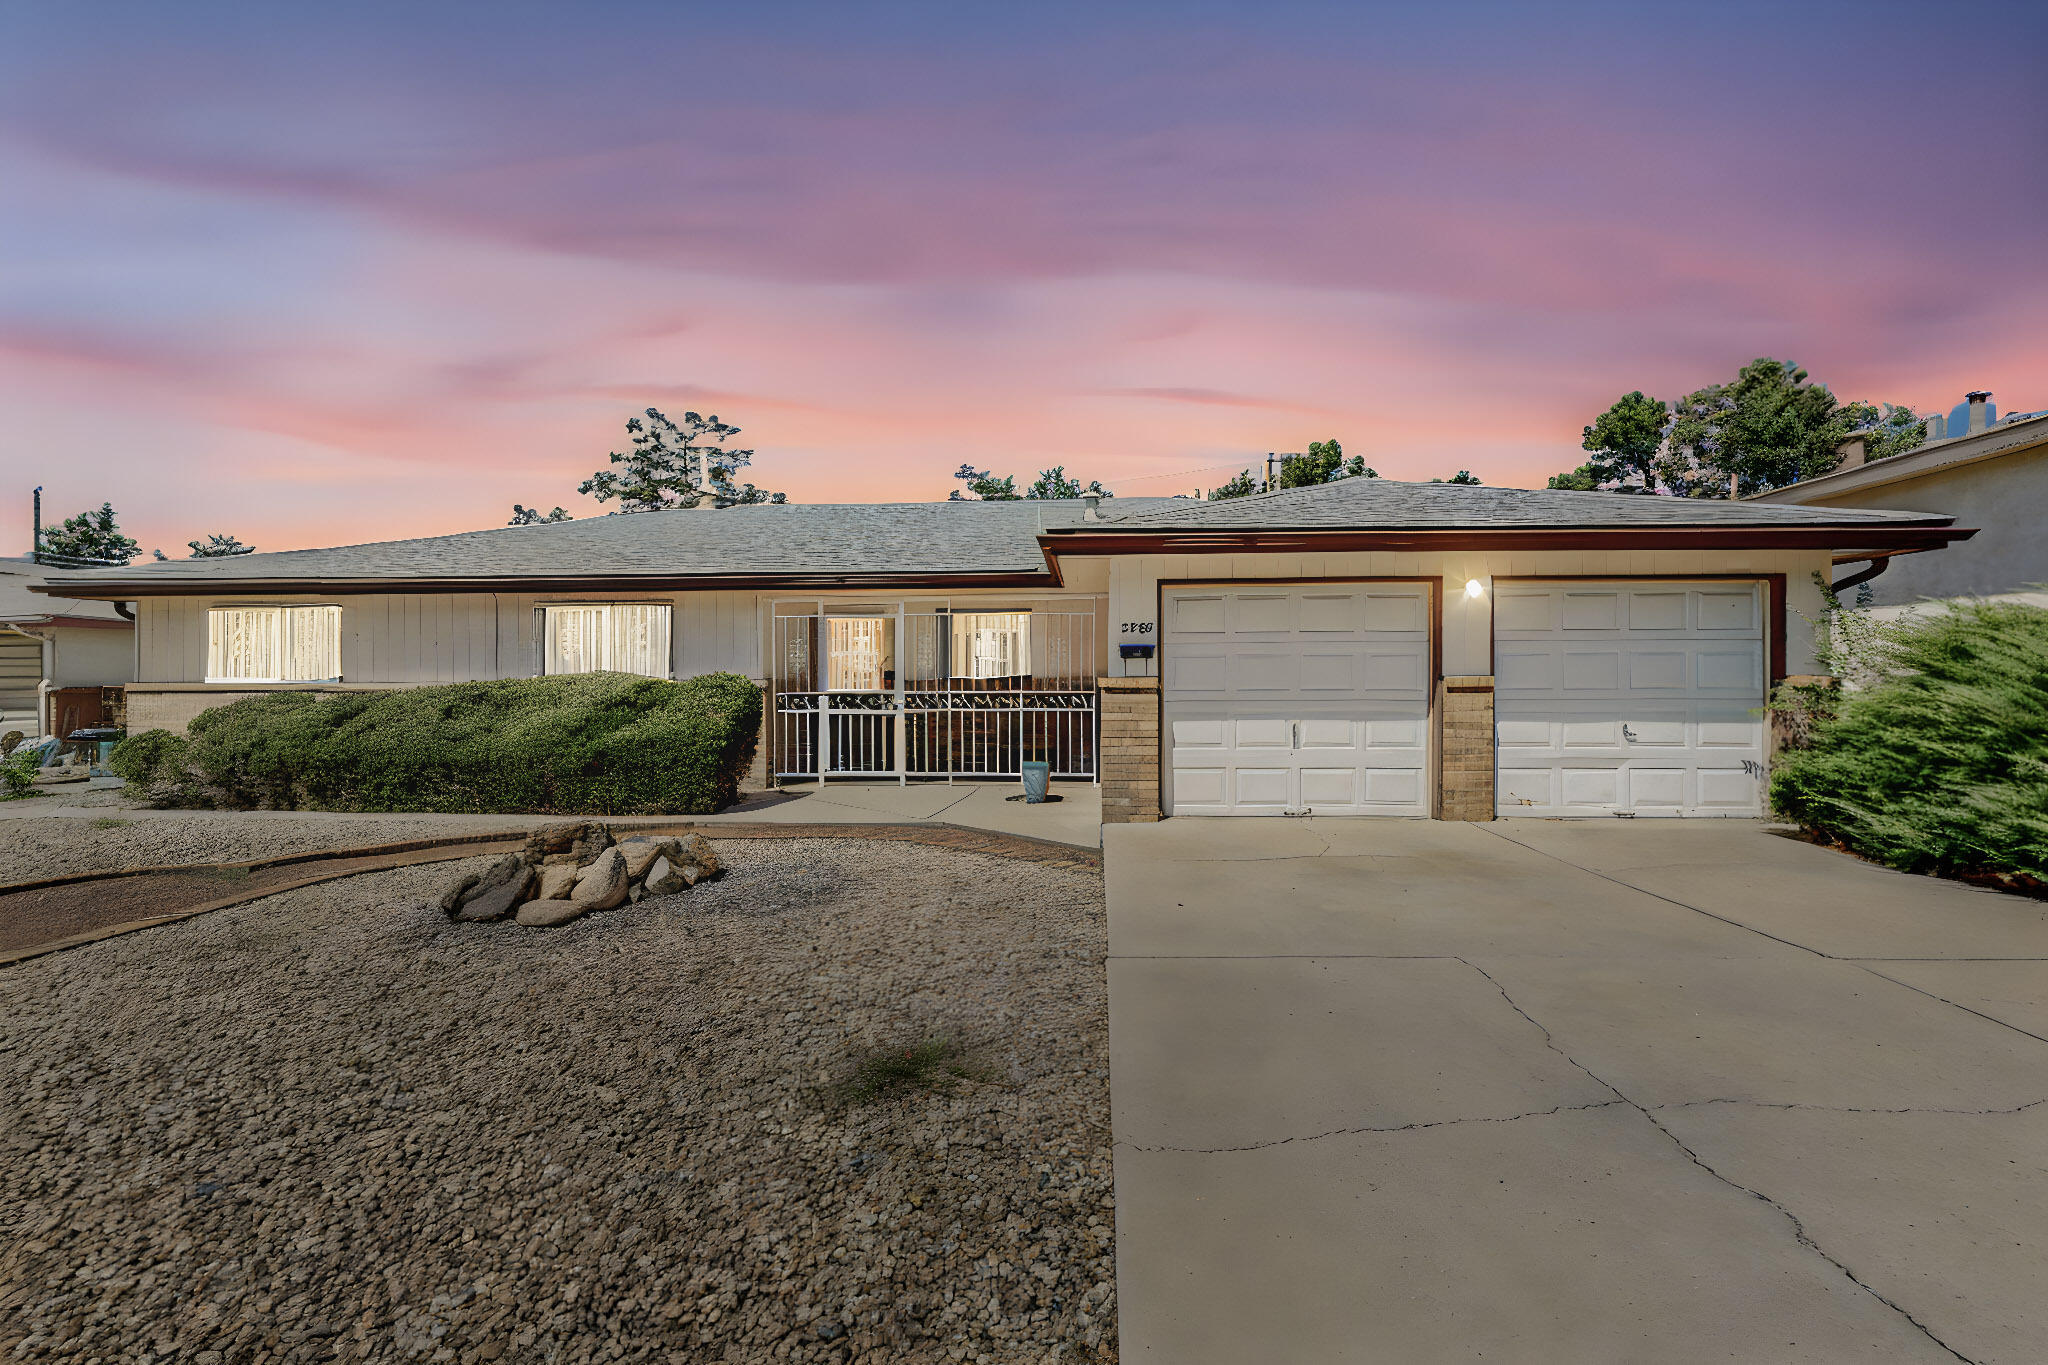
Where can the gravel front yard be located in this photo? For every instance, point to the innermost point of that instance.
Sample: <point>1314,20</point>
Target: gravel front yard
<point>334,1126</point>
<point>36,846</point>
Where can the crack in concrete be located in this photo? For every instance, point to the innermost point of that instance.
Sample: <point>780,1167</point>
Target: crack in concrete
<point>1388,1128</point>
<point>1799,1232</point>
<point>1858,963</point>
<point>1850,1109</point>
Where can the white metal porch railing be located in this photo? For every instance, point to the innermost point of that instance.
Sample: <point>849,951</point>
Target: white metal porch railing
<point>900,712</point>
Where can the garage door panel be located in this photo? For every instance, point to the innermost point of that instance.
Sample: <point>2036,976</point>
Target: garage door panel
<point>1268,671</point>
<point>1728,670</point>
<point>1520,610</point>
<point>1314,697</point>
<point>1660,715</point>
<point>1267,614</point>
<point>1591,609</point>
<point>1656,611</point>
<point>1391,613</point>
<point>1268,787</point>
<point>1727,611</point>
<point>1190,616</point>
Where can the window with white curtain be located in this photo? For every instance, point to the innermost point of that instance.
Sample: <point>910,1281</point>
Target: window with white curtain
<point>273,644</point>
<point>991,644</point>
<point>606,637</point>
<point>859,653</point>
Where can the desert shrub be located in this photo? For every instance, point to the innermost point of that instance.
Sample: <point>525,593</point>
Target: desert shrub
<point>1941,764</point>
<point>18,774</point>
<point>153,753</point>
<point>588,744</point>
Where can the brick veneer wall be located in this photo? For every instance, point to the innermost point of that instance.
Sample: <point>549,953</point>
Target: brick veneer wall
<point>1130,750</point>
<point>1465,789</point>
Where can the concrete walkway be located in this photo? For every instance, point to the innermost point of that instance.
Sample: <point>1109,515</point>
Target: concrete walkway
<point>1569,1091</point>
<point>1076,818</point>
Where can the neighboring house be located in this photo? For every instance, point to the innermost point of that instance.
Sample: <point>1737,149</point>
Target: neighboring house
<point>58,655</point>
<point>1352,648</point>
<point>1992,475</point>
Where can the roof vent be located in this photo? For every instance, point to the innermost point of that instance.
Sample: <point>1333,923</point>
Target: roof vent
<point>1092,506</point>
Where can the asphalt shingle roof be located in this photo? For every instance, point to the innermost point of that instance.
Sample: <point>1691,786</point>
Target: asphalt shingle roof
<point>942,538</point>
<point>1388,504</point>
<point>766,539</point>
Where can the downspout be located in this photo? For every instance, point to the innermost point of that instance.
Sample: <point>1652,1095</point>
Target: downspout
<point>1877,566</point>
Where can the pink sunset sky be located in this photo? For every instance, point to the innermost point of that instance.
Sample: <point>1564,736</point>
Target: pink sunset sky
<point>314,278</point>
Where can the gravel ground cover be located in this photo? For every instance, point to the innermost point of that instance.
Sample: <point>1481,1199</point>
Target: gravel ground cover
<point>34,847</point>
<point>333,1125</point>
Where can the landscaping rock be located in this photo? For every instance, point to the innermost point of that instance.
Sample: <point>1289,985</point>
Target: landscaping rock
<point>546,914</point>
<point>695,850</point>
<point>557,881</point>
<point>641,851</point>
<point>475,879</point>
<point>666,879</point>
<point>490,900</point>
<point>572,841</point>
<point>604,883</point>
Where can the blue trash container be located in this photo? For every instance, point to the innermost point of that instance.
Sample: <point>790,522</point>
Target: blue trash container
<point>1037,777</point>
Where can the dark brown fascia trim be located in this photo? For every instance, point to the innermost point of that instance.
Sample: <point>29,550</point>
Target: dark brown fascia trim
<point>239,587</point>
<point>1865,539</point>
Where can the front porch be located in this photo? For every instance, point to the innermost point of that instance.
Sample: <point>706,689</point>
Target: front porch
<point>1076,818</point>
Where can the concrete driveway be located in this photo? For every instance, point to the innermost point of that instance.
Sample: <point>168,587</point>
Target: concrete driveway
<point>1569,1091</point>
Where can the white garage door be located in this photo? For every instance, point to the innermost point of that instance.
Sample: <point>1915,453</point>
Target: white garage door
<point>1629,698</point>
<point>1298,699</point>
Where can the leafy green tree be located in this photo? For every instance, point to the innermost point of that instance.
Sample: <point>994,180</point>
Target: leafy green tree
<point>1051,484</point>
<point>1462,476</point>
<point>1584,479</point>
<point>676,464</point>
<point>89,537</point>
<point>531,516</point>
<point>1239,485</point>
<point>1625,441</point>
<point>1323,462</point>
<point>219,547</point>
<point>1770,427</point>
<point>1891,430</point>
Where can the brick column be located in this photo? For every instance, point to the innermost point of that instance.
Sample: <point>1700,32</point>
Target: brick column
<point>759,775</point>
<point>1129,761</point>
<point>1465,789</point>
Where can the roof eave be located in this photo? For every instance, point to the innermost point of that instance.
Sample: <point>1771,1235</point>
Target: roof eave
<point>1846,540</point>
<point>118,590</point>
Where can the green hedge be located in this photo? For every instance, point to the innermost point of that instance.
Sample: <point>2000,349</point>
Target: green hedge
<point>1943,765</point>
<point>591,744</point>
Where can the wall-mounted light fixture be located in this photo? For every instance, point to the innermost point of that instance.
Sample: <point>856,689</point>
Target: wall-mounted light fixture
<point>1474,588</point>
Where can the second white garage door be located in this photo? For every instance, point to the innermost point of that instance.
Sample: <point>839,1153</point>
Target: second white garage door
<point>1297,699</point>
<point>1629,698</point>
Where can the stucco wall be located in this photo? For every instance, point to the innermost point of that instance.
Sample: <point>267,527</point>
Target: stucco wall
<point>93,656</point>
<point>2006,499</point>
<point>1468,621</point>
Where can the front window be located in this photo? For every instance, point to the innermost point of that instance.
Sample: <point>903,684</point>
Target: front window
<point>273,644</point>
<point>860,653</point>
<point>991,644</point>
<point>607,637</point>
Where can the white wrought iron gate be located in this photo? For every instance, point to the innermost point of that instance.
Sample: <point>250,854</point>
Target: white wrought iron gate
<point>922,692</point>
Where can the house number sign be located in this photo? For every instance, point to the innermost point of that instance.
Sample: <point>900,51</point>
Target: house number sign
<point>1137,628</point>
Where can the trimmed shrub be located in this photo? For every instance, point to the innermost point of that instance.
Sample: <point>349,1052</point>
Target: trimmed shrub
<point>588,744</point>
<point>1941,765</point>
<point>153,753</point>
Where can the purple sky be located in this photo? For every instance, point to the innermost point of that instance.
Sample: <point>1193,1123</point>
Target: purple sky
<point>318,277</point>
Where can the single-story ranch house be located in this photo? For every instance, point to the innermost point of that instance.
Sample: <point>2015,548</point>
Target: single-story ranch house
<point>1364,647</point>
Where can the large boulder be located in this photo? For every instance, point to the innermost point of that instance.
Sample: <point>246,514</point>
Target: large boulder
<point>547,914</point>
<point>459,885</point>
<point>604,883</point>
<point>665,878</point>
<point>572,841</point>
<point>494,897</point>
